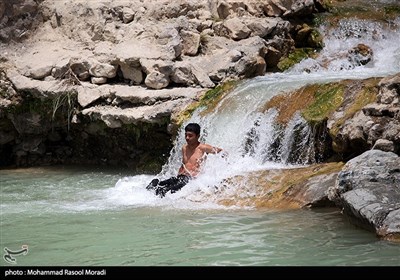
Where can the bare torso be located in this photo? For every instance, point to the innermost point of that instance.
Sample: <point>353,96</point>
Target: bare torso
<point>193,158</point>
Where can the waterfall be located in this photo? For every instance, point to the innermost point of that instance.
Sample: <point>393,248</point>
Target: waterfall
<point>382,38</point>
<point>253,138</point>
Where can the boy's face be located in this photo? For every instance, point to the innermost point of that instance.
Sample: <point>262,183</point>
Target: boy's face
<point>191,137</point>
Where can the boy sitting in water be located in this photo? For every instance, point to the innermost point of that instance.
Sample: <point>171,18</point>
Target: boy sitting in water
<point>193,156</point>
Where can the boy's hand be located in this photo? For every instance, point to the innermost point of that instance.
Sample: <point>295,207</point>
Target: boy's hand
<point>224,154</point>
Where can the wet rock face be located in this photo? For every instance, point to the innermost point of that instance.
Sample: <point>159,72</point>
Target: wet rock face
<point>360,55</point>
<point>124,127</point>
<point>368,189</point>
<point>376,125</point>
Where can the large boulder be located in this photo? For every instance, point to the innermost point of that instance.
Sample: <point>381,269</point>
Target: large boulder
<point>368,191</point>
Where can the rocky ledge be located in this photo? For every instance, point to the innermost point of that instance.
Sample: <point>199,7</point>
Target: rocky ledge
<point>91,81</point>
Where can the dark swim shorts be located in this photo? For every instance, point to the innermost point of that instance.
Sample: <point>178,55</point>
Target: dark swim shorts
<point>172,184</point>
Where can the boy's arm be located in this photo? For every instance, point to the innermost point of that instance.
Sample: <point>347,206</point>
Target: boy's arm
<point>211,149</point>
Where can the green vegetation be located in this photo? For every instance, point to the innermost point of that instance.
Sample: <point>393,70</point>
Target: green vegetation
<point>392,10</point>
<point>365,10</point>
<point>315,40</point>
<point>366,95</point>
<point>327,99</point>
<point>59,109</point>
<point>66,101</point>
<point>295,57</point>
<point>318,103</point>
<point>318,20</point>
<point>31,105</point>
<point>209,100</point>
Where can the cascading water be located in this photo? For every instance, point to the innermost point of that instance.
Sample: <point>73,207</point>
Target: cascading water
<point>251,136</point>
<point>335,59</point>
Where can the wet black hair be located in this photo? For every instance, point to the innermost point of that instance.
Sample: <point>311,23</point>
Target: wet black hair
<point>193,127</point>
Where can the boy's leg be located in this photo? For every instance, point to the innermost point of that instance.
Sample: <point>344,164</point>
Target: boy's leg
<point>172,184</point>
<point>168,182</point>
<point>152,184</point>
<point>166,185</point>
<point>161,191</point>
<point>181,182</point>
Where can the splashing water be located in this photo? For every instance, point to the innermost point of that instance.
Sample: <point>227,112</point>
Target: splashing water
<point>250,136</point>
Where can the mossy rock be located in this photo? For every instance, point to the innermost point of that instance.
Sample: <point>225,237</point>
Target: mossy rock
<point>334,102</point>
<point>366,10</point>
<point>326,99</point>
<point>315,102</point>
<point>295,57</point>
<point>357,94</point>
<point>315,40</point>
<point>208,101</point>
<point>319,101</point>
<point>271,187</point>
